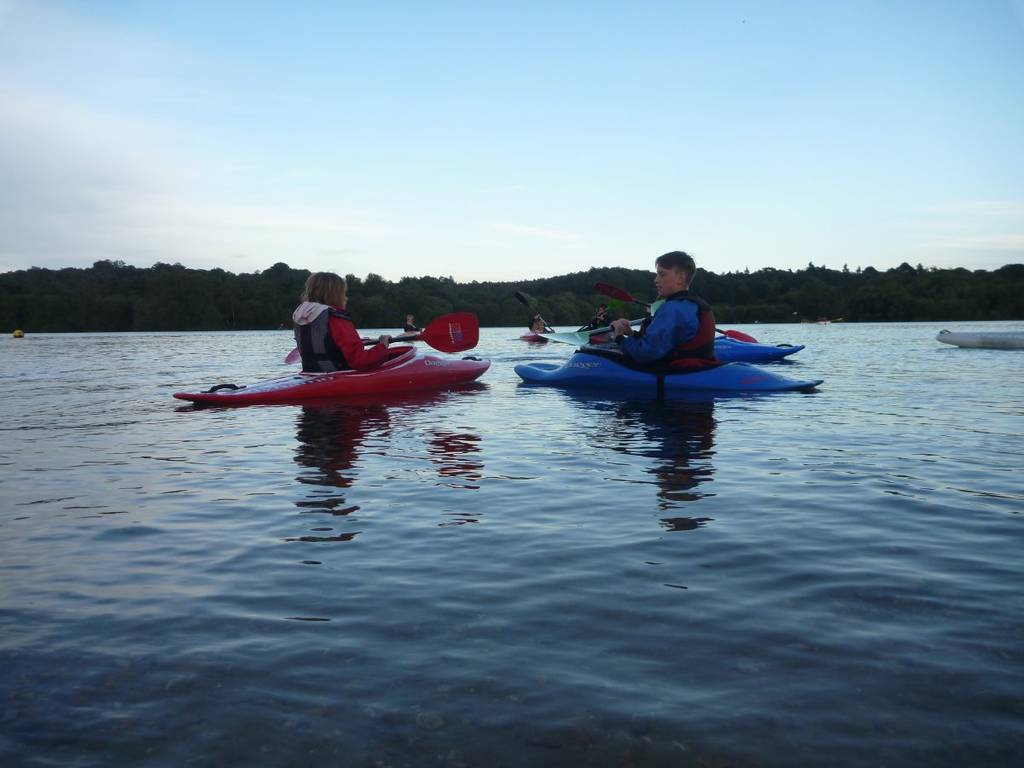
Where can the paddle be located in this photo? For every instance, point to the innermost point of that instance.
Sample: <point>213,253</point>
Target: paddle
<point>454,332</point>
<point>528,303</point>
<point>581,337</point>
<point>737,335</point>
<point>617,293</point>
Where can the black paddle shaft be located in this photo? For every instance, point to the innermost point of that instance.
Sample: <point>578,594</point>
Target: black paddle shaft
<point>528,303</point>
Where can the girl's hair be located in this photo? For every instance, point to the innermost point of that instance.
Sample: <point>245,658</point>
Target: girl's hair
<point>325,288</point>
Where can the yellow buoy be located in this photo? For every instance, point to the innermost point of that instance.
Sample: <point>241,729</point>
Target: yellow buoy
<point>19,334</point>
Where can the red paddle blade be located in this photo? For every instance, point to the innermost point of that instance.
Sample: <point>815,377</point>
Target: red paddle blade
<point>293,357</point>
<point>618,293</point>
<point>739,336</point>
<point>615,292</point>
<point>455,332</point>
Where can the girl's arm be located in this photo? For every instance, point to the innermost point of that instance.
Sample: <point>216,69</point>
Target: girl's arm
<point>356,355</point>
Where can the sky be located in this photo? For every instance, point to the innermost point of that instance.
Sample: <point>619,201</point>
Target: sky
<point>511,140</point>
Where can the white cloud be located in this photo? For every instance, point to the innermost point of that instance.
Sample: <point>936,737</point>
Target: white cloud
<point>74,180</point>
<point>82,186</point>
<point>979,231</point>
<point>555,235</point>
<point>87,175</point>
<point>988,208</point>
<point>982,243</point>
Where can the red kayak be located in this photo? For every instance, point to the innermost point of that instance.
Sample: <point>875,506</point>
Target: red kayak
<point>404,371</point>
<point>535,338</point>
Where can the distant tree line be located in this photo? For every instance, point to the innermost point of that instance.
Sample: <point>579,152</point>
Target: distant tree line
<point>113,296</point>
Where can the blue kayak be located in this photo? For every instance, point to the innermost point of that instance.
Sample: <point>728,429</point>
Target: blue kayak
<point>732,351</point>
<point>598,368</point>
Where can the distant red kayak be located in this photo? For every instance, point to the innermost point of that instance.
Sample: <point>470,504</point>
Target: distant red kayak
<point>405,371</point>
<point>534,337</point>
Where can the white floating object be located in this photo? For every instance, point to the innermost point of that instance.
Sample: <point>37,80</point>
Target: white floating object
<point>984,339</point>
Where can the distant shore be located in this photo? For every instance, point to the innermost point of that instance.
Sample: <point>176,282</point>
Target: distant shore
<point>112,296</point>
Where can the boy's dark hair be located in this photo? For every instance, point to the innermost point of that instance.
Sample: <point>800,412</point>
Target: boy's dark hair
<point>677,260</point>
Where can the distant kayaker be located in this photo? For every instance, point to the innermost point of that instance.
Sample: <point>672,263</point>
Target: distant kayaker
<point>599,320</point>
<point>325,333</point>
<point>681,334</point>
<point>410,324</point>
<point>537,324</point>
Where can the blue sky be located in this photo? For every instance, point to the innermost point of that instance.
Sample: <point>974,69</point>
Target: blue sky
<point>502,141</point>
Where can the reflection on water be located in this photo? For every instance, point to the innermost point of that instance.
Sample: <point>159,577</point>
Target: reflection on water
<point>334,440</point>
<point>675,436</point>
<point>455,454</point>
<point>684,523</point>
<point>681,440</point>
<point>331,438</point>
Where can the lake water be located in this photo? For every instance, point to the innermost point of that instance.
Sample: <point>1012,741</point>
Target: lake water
<point>512,576</point>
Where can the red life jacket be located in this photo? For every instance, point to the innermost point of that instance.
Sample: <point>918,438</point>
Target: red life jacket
<point>698,352</point>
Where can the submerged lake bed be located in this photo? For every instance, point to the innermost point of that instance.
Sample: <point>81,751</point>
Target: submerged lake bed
<point>512,575</point>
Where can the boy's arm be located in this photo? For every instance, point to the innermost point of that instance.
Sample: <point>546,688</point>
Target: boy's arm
<point>676,322</point>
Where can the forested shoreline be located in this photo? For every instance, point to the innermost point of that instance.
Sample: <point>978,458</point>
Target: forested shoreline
<point>113,296</point>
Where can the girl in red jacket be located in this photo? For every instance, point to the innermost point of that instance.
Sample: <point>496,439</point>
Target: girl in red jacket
<point>326,335</point>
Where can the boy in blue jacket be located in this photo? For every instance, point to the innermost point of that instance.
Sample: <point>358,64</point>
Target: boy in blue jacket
<point>681,334</point>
